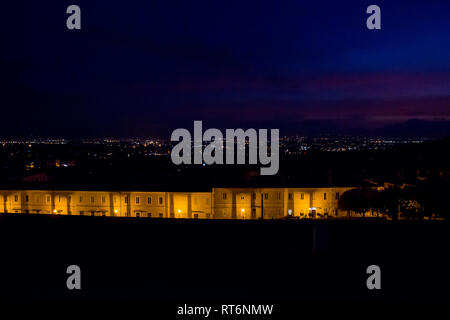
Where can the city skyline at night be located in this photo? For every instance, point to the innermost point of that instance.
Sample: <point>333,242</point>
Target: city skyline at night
<point>225,158</point>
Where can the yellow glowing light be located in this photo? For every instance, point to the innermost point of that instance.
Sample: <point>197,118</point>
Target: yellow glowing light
<point>243,210</point>
<point>179,210</point>
<point>54,211</point>
<point>115,211</point>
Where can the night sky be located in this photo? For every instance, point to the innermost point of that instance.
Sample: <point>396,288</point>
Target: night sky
<point>144,68</point>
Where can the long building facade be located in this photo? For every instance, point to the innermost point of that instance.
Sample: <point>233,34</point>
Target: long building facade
<point>219,203</point>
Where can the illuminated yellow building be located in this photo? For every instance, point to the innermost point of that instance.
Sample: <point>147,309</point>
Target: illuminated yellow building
<point>235,203</point>
<point>220,203</point>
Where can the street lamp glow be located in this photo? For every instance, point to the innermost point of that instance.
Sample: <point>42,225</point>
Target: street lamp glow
<point>242,210</point>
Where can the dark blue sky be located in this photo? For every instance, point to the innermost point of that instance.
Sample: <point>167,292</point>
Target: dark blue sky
<point>140,68</point>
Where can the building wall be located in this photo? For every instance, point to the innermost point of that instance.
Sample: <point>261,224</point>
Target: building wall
<point>277,202</point>
<point>220,203</point>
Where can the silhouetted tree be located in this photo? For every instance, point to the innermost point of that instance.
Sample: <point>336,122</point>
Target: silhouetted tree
<point>433,199</point>
<point>389,202</point>
<point>358,200</point>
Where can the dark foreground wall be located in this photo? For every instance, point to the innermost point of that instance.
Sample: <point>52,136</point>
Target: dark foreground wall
<point>221,261</point>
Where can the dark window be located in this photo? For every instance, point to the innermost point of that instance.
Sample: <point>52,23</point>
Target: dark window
<point>160,200</point>
<point>290,196</point>
<point>302,196</point>
<point>337,195</point>
<point>324,196</point>
<point>149,200</point>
